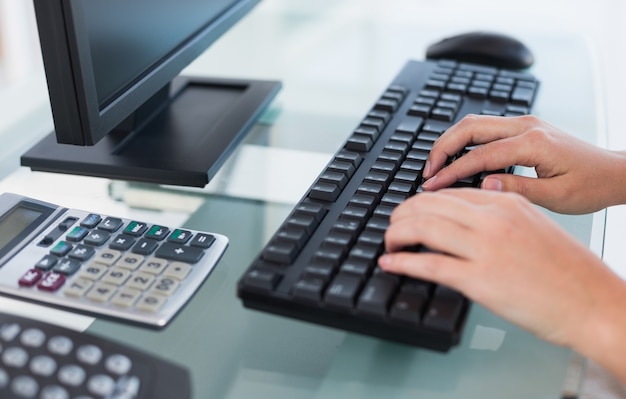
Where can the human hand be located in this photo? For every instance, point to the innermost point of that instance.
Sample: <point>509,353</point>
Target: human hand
<point>573,176</point>
<point>504,253</point>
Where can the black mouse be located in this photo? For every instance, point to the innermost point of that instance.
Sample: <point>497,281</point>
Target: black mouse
<point>487,48</point>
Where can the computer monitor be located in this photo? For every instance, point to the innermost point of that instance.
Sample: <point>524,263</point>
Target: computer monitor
<point>119,106</point>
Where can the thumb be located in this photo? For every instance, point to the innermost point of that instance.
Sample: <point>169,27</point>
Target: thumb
<point>531,188</point>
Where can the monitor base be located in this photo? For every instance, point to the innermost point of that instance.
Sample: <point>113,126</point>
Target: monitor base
<point>184,144</point>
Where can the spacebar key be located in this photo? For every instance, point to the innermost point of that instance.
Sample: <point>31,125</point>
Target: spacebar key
<point>180,253</point>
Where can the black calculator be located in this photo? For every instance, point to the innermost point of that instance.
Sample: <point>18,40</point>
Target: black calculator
<point>42,360</point>
<point>99,264</point>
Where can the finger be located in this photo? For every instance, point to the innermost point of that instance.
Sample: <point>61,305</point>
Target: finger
<point>472,130</point>
<point>442,204</point>
<point>435,232</point>
<point>492,156</point>
<point>435,267</point>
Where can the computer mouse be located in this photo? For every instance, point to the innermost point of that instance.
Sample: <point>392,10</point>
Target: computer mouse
<point>487,48</point>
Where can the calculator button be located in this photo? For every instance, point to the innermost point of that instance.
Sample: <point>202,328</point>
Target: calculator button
<point>101,385</point>
<point>47,262</point>
<point>93,271</point>
<point>82,252</point>
<point>141,281</point>
<point>179,236</point>
<point>165,286</point>
<point>202,240</point>
<point>101,292</point>
<point>33,337</point>
<point>126,297</point>
<point>91,221</point>
<point>130,261</point>
<point>46,241</point>
<point>8,332</point>
<point>118,364</point>
<point>14,357</point>
<point>67,223</point>
<point>60,345</point>
<point>107,256</point>
<point>177,270</point>
<point>116,276</point>
<point>128,387</point>
<point>61,249</point>
<point>151,302</point>
<point>122,242</point>
<point>67,267</point>
<point>30,278</point>
<point>52,281</point>
<point>111,224</point>
<point>154,266</point>
<point>135,228</point>
<point>89,354</point>
<point>71,375</point>
<point>97,238</point>
<point>77,234</point>
<point>179,253</point>
<point>157,232</point>
<point>43,365</point>
<point>54,392</point>
<point>145,247</point>
<point>78,287</point>
<point>24,386</point>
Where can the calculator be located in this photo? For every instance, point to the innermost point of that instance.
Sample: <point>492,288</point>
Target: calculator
<point>45,361</point>
<point>101,265</point>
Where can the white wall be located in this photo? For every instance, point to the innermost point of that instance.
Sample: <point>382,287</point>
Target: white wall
<point>20,54</point>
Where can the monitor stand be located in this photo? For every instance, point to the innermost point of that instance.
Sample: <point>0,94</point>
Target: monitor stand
<point>196,125</point>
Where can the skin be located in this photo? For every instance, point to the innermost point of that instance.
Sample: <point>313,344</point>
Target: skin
<point>498,249</point>
<point>562,162</point>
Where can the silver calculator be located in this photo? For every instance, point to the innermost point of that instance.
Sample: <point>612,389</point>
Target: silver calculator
<point>100,264</point>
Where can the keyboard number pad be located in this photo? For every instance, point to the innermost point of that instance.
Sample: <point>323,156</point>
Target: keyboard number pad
<point>126,264</point>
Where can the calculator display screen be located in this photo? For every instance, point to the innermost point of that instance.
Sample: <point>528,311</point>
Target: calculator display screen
<point>14,222</point>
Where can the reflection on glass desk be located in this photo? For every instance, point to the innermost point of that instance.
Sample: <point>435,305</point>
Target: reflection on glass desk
<point>333,65</point>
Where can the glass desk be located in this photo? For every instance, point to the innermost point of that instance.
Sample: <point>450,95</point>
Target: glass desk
<point>333,63</point>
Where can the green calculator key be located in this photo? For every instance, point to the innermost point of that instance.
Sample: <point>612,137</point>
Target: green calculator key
<point>180,236</point>
<point>157,232</point>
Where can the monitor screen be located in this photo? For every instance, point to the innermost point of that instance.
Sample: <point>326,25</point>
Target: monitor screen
<point>112,69</point>
<point>130,36</point>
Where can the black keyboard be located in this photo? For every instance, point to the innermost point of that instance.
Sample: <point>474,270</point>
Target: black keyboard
<point>321,265</point>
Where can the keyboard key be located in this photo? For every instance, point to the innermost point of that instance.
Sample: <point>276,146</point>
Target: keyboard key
<point>444,310</point>
<point>376,296</point>
<point>309,289</point>
<point>262,279</point>
<point>408,307</point>
<point>342,291</point>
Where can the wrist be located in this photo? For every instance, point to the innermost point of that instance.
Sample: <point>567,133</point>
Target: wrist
<point>616,178</point>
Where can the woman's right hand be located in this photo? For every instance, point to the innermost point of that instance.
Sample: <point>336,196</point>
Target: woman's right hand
<point>573,176</point>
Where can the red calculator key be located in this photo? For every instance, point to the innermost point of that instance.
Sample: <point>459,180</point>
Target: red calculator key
<point>30,278</point>
<point>52,281</point>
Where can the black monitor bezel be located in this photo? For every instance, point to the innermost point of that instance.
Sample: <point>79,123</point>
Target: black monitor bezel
<point>70,77</point>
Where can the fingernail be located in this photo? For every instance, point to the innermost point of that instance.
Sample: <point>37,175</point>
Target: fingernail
<point>428,183</point>
<point>427,169</point>
<point>384,261</point>
<point>493,183</point>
